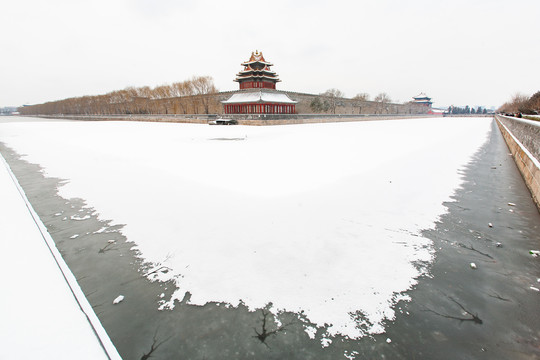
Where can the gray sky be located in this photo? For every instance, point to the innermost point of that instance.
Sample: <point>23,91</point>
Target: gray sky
<point>460,52</point>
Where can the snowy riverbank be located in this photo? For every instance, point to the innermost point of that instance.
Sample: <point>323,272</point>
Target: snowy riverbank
<point>41,318</point>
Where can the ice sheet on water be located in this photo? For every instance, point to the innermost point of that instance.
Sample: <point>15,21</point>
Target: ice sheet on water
<point>323,219</point>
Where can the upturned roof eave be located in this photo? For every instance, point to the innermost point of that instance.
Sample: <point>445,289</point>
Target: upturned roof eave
<point>262,71</point>
<point>256,61</point>
<point>239,78</point>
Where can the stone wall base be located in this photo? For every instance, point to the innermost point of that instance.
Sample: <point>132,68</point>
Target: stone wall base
<point>250,119</point>
<point>526,163</point>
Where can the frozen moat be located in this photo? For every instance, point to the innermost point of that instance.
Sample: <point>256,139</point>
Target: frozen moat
<point>299,241</point>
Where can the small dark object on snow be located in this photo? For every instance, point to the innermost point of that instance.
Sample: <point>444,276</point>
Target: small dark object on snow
<point>223,122</point>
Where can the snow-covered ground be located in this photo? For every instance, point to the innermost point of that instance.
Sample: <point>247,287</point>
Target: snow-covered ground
<point>40,317</point>
<point>321,218</point>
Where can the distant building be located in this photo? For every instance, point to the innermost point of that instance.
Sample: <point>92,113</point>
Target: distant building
<point>258,94</point>
<point>422,99</point>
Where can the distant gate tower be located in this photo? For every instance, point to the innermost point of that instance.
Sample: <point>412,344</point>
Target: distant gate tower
<point>422,99</point>
<point>258,94</point>
<point>257,73</point>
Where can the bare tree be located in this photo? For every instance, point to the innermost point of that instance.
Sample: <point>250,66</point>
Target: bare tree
<point>359,100</point>
<point>318,106</point>
<point>333,97</point>
<point>361,97</point>
<point>181,92</point>
<point>382,99</point>
<point>203,86</point>
<point>534,101</point>
<point>137,100</point>
<point>162,92</point>
<point>517,102</point>
<point>184,88</point>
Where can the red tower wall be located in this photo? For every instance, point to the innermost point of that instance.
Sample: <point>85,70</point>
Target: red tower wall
<point>257,84</point>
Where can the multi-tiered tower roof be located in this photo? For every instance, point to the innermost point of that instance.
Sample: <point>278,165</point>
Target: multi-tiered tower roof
<point>257,73</point>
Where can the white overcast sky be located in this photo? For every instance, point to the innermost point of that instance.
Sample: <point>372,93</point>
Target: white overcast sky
<point>459,52</point>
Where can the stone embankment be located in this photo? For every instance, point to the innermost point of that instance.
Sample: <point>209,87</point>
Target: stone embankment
<point>523,139</point>
<point>247,119</point>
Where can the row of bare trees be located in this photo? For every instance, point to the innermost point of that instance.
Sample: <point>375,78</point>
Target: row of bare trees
<point>524,104</point>
<point>332,98</point>
<point>192,96</point>
<point>199,95</point>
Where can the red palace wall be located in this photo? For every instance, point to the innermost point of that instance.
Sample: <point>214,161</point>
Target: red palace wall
<point>260,109</point>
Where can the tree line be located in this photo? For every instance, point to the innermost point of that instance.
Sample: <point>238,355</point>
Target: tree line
<point>329,100</point>
<point>192,96</point>
<point>199,95</point>
<point>466,110</point>
<point>523,104</point>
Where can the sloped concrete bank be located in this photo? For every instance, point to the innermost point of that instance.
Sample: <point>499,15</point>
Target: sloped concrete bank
<point>523,140</point>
